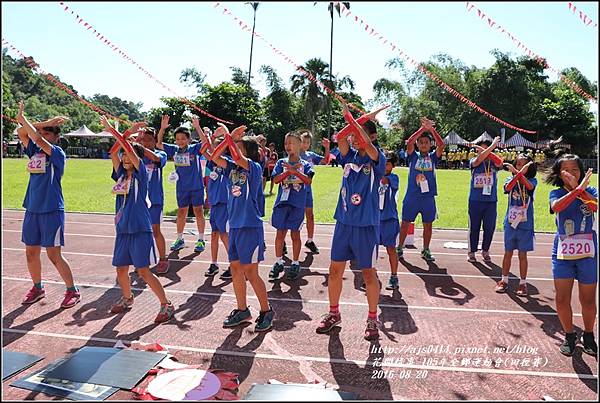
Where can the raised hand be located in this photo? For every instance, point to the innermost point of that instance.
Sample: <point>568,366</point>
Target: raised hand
<point>511,168</point>
<point>238,132</point>
<point>105,123</point>
<point>164,122</point>
<point>20,117</point>
<point>568,179</point>
<point>586,180</point>
<point>325,143</point>
<point>372,115</point>
<point>496,141</point>
<point>427,123</point>
<point>58,120</point>
<point>196,123</point>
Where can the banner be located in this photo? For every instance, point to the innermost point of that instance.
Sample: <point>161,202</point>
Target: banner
<point>582,16</point>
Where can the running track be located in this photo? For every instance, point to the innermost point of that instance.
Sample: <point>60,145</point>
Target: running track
<point>450,305</point>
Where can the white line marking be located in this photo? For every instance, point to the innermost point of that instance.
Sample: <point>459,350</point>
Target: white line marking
<point>302,300</point>
<point>207,240</point>
<point>326,360</point>
<point>317,269</point>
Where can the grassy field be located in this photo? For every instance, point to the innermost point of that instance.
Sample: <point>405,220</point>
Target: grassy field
<point>87,185</point>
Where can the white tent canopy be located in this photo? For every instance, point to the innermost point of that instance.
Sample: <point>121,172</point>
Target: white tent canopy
<point>454,138</point>
<point>518,141</point>
<point>83,132</point>
<point>485,136</point>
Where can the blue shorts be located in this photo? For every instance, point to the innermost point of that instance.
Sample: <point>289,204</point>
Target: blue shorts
<point>187,197</point>
<point>156,214</point>
<point>423,205</point>
<point>518,239</point>
<point>44,229</point>
<point>137,249</point>
<point>309,197</point>
<point>585,271</point>
<point>389,232</point>
<point>286,216</point>
<point>219,218</point>
<point>246,245</point>
<point>355,243</point>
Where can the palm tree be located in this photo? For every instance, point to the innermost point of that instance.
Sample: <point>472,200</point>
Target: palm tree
<point>254,7</point>
<point>315,100</point>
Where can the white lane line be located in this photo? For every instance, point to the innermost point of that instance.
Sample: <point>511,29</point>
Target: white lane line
<point>207,240</point>
<point>326,360</point>
<point>317,269</point>
<point>418,231</point>
<point>303,300</point>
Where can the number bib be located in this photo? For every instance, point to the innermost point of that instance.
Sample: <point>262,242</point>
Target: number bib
<point>482,180</point>
<point>516,215</point>
<point>574,247</point>
<point>121,187</point>
<point>182,159</point>
<point>37,164</point>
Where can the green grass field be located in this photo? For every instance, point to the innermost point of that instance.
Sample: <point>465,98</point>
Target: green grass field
<point>87,185</point>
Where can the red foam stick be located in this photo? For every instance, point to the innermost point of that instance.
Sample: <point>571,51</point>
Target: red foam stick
<point>203,148</point>
<point>589,201</point>
<point>232,148</point>
<point>124,143</point>
<point>348,129</point>
<point>510,185</point>
<point>495,159</point>
<point>566,200</point>
<point>114,147</point>
<point>220,147</point>
<point>350,119</point>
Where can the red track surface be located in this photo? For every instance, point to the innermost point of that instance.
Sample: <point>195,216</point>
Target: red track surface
<point>450,305</point>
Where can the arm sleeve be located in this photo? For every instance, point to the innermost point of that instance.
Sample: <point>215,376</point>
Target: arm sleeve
<point>379,165</point>
<point>278,169</point>
<point>163,158</point>
<point>30,149</point>
<point>170,149</point>
<point>394,181</point>
<point>58,157</point>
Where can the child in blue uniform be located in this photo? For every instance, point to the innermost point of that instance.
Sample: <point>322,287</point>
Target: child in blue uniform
<point>356,233</point>
<point>313,159</point>
<point>134,243</point>
<point>519,220</point>
<point>389,226</point>
<point>421,188</point>
<point>483,200</point>
<point>218,196</point>
<point>293,176</point>
<point>189,188</point>
<point>246,232</point>
<point>44,221</point>
<point>574,253</point>
<point>155,160</point>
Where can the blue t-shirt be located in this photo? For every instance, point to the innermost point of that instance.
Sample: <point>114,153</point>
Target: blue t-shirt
<point>388,207</point>
<point>311,157</point>
<point>358,202</point>
<point>479,179</point>
<point>217,189</point>
<point>579,219</point>
<point>132,210</point>
<point>521,197</point>
<point>244,188</point>
<point>187,166</point>
<point>292,190</point>
<point>44,191</point>
<point>154,172</point>
<point>418,164</point>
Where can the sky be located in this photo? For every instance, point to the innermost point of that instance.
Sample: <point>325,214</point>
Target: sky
<point>166,38</point>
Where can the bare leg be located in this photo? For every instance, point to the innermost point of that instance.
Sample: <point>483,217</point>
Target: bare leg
<point>62,266</point>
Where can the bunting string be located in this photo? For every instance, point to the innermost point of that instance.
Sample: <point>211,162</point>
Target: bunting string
<point>371,31</point>
<point>582,16</point>
<point>542,61</point>
<point>125,56</point>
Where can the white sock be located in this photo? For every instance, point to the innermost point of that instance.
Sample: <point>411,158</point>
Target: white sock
<point>279,259</point>
<point>522,281</point>
<point>296,262</point>
<point>215,263</point>
<point>309,240</point>
<point>180,235</point>
<point>505,279</point>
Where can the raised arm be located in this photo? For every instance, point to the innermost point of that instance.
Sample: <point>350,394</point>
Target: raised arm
<point>495,158</point>
<point>370,149</point>
<point>133,157</point>
<point>164,124</point>
<point>327,156</point>
<point>486,152</point>
<point>31,132</point>
<point>410,143</point>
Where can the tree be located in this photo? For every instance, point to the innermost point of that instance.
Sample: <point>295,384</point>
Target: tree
<point>312,94</point>
<point>193,77</point>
